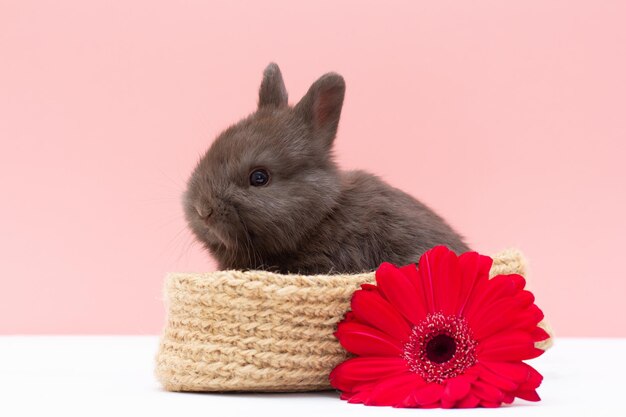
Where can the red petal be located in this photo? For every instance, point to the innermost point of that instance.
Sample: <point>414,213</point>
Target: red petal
<point>346,396</point>
<point>412,275</point>
<point>510,353</point>
<point>371,308</point>
<point>364,340</point>
<point>446,404</point>
<point>525,298</point>
<point>498,287</point>
<point>415,278</point>
<point>400,292</point>
<point>539,334</point>
<point>360,395</point>
<point>369,287</point>
<point>456,389</point>
<point>487,392</point>
<point>436,404</point>
<point>508,346</point>
<point>349,316</point>
<point>358,371</point>
<point>534,378</point>
<point>433,265</point>
<point>408,402</point>
<point>507,339</point>
<point>499,315</point>
<point>470,401</point>
<point>428,394</point>
<point>505,316</point>
<point>446,284</point>
<point>395,390</point>
<point>525,320</point>
<point>515,371</point>
<point>499,381</point>
<point>475,273</point>
<point>356,397</point>
<point>530,395</point>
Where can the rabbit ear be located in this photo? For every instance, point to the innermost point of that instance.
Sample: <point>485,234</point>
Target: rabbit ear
<point>321,106</point>
<point>272,91</point>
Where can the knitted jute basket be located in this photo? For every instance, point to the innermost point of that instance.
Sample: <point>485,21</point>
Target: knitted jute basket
<point>261,331</point>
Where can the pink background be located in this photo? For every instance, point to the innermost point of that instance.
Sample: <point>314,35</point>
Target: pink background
<point>506,117</point>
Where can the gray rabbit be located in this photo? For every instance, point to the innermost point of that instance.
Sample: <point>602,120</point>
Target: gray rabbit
<point>268,194</point>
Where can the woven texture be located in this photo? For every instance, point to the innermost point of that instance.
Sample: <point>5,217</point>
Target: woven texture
<point>261,331</point>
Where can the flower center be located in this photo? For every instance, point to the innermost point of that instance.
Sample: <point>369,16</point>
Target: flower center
<point>440,347</point>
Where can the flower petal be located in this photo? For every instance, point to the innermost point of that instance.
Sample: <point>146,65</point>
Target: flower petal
<point>440,276</point>
<point>524,320</point>
<point>456,388</point>
<point>487,392</point>
<point>355,397</point>
<point>400,292</point>
<point>530,318</point>
<point>470,401</point>
<point>415,278</point>
<point>497,287</point>
<point>505,313</point>
<point>371,308</point>
<point>446,284</point>
<point>515,371</point>
<point>539,334</point>
<point>474,273</point>
<point>534,378</point>
<point>364,340</point>
<point>394,390</point>
<point>412,275</point>
<point>508,346</point>
<point>529,395</point>
<point>430,268</point>
<point>428,394</point>
<point>499,381</point>
<point>357,371</point>
<point>349,316</point>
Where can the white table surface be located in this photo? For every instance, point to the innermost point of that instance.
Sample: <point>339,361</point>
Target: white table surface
<point>113,375</point>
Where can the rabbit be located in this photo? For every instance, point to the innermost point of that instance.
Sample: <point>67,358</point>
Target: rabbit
<point>268,194</point>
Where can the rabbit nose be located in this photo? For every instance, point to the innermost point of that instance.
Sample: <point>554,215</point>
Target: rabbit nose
<point>204,212</point>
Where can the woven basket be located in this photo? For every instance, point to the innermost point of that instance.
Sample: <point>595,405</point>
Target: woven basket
<point>261,331</point>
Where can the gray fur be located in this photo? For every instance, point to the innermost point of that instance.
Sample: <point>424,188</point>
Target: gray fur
<point>311,218</point>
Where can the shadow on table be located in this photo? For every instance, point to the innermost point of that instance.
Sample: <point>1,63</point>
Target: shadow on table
<point>272,396</point>
<point>268,395</point>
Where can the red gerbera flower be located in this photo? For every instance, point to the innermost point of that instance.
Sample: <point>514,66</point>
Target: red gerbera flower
<point>440,335</point>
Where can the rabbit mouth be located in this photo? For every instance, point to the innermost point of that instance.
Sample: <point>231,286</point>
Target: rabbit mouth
<point>218,236</point>
<point>224,234</point>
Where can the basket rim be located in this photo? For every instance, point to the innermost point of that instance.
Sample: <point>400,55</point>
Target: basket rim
<point>257,279</point>
<point>235,278</point>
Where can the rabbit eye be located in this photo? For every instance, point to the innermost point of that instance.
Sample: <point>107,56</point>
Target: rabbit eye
<point>259,177</point>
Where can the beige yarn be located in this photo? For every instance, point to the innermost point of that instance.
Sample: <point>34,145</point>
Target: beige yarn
<point>261,331</point>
